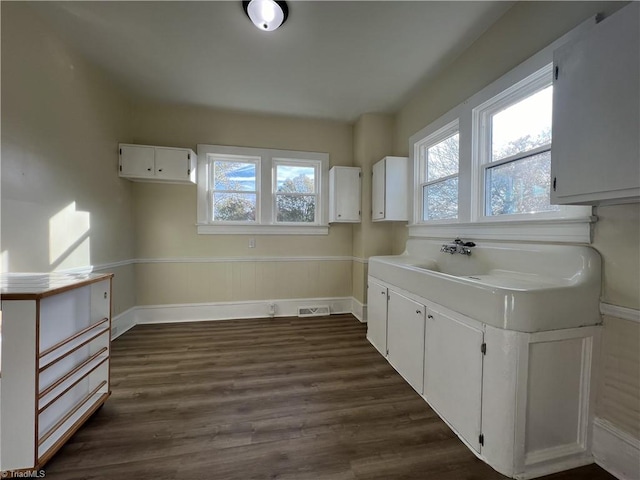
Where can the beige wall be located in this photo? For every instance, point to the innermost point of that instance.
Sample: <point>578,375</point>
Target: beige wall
<point>63,205</point>
<point>165,216</point>
<point>522,31</point>
<point>372,140</point>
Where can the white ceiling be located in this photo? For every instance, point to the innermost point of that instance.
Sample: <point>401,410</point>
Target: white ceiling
<point>331,59</point>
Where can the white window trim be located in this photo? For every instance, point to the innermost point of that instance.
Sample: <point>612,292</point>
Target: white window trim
<point>571,225</point>
<point>430,140</point>
<point>240,159</point>
<point>265,211</point>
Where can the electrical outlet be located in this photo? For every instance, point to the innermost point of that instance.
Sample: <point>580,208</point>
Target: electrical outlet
<point>252,243</point>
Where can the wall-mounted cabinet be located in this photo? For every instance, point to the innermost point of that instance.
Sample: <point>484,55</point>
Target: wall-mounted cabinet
<point>144,163</point>
<point>56,343</point>
<point>595,157</point>
<point>389,190</point>
<point>344,195</point>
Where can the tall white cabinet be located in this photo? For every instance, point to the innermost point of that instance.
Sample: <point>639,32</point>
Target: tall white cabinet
<point>56,332</point>
<point>595,157</point>
<point>344,194</point>
<point>389,190</point>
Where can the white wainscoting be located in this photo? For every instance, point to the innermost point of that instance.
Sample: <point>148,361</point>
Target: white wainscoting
<point>616,451</point>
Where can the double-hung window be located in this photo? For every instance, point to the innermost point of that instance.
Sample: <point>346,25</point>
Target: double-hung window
<point>296,191</point>
<point>245,190</point>
<point>437,172</point>
<point>514,130</point>
<point>234,196</point>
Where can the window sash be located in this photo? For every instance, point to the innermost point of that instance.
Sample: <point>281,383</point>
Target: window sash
<point>212,191</point>
<point>316,165</point>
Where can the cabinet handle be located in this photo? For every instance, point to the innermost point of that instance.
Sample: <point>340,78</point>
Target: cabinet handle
<point>383,293</point>
<point>105,295</point>
<point>429,316</point>
<point>380,213</point>
<point>339,215</point>
<point>159,169</point>
<point>148,169</point>
<point>418,311</point>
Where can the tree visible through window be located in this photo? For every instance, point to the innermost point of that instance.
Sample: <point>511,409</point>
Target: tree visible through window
<point>439,175</point>
<point>234,191</point>
<point>518,177</point>
<point>296,193</point>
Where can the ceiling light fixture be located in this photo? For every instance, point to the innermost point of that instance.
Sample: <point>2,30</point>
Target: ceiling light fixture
<point>267,15</point>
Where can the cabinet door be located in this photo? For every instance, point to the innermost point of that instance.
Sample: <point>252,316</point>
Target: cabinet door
<point>596,154</point>
<point>347,194</point>
<point>172,164</point>
<point>136,161</point>
<point>377,316</point>
<point>378,193</point>
<point>405,338</point>
<point>453,373</point>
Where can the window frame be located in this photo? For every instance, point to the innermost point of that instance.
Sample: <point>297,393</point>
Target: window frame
<point>211,192</point>
<point>421,168</point>
<point>482,149</point>
<point>571,224</point>
<point>317,166</point>
<point>265,223</point>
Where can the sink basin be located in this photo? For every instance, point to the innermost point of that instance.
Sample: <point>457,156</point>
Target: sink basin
<point>522,287</point>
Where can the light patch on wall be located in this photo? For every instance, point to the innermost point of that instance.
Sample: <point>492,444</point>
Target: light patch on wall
<point>69,240</point>
<point>4,261</point>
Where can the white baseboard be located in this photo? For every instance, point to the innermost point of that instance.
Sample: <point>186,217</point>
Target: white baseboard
<point>359,310</point>
<point>232,310</point>
<point>616,451</point>
<point>123,322</point>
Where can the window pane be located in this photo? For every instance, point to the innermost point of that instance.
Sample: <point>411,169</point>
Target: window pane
<point>235,207</point>
<point>440,200</point>
<point>521,186</point>
<point>234,176</point>
<point>522,126</point>
<point>442,158</point>
<point>294,179</point>
<point>296,208</point>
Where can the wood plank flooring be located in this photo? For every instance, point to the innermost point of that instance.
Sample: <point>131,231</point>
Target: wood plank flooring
<point>286,399</point>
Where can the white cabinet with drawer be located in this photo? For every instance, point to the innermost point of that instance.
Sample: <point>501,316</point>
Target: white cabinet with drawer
<point>56,333</point>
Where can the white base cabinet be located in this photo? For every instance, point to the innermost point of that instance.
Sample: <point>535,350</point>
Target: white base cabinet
<point>145,163</point>
<point>405,338</point>
<point>522,402</point>
<point>377,316</point>
<point>56,332</point>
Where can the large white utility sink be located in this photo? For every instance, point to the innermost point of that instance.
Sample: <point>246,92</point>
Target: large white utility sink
<point>515,286</point>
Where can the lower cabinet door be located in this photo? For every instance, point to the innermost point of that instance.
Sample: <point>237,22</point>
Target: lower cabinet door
<point>405,338</point>
<point>453,373</point>
<point>377,316</point>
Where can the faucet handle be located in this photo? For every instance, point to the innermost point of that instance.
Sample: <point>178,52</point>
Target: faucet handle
<point>469,244</point>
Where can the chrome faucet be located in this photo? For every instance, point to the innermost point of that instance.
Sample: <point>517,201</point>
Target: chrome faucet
<point>458,246</point>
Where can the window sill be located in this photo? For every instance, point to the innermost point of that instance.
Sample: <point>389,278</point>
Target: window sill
<point>208,229</point>
<point>562,230</point>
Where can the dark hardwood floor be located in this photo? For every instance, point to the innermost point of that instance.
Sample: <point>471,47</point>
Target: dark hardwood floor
<point>295,399</point>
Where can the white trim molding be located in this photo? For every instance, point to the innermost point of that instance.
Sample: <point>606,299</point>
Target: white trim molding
<point>552,230</point>
<point>616,451</point>
<point>122,322</point>
<point>242,259</point>
<point>620,312</point>
<point>194,312</point>
<point>263,229</point>
<point>359,310</point>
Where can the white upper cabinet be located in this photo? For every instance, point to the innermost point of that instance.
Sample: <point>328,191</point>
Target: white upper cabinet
<point>344,194</point>
<point>595,156</point>
<point>389,190</point>
<point>157,164</point>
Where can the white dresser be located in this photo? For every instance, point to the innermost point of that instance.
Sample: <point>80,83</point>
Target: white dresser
<point>56,335</point>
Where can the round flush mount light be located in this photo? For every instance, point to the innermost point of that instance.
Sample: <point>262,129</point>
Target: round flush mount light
<point>267,15</point>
